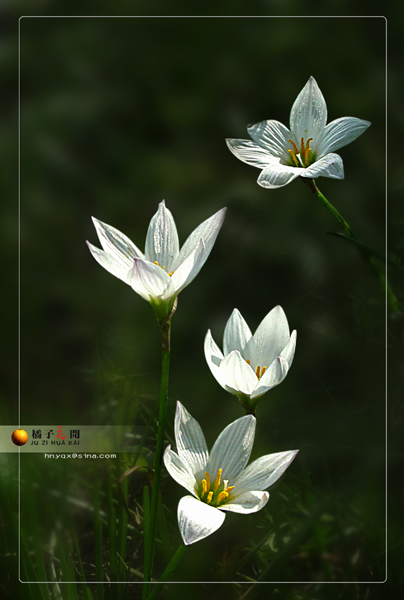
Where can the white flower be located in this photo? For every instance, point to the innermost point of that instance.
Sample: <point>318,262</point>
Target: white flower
<point>306,150</point>
<point>163,270</point>
<point>252,364</point>
<point>220,481</point>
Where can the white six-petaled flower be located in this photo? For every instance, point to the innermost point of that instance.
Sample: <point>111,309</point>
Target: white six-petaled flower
<point>163,270</point>
<point>306,149</point>
<point>219,481</point>
<point>250,365</point>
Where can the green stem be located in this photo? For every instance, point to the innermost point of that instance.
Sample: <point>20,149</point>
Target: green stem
<point>314,189</point>
<point>168,571</point>
<point>370,260</point>
<point>165,327</point>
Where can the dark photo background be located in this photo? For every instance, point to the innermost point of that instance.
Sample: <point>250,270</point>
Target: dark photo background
<point>117,114</point>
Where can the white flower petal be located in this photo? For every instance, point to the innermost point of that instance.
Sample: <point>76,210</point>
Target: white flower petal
<point>236,333</point>
<point>249,152</point>
<point>116,244</point>
<point>264,471</point>
<point>197,520</point>
<point>179,470</point>
<point>273,136</point>
<point>214,357</point>
<point>232,449</point>
<point>191,444</point>
<point>330,165</point>
<point>206,231</point>
<point>339,133</point>
<point>237,374</point>
<point>150,281</point>
<point>288,352</point>
<point>277,175</point>
<point>270,338</point>
<point>110,263</point>
<point>162,243</point>
<point>189,268</point>
<point>309,113</point>
<point>274,375</point>
<point>246,503</point>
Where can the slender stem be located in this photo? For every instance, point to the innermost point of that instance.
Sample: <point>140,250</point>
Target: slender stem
<point>370,260</point>
<point>313,187</point>
<point>168,571</point>
<point>165,327</point>
<point>248,404</point>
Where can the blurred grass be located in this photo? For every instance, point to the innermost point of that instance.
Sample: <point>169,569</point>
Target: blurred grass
<point>118,114</point>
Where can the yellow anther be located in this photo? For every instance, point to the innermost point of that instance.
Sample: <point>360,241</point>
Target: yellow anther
<point>259,372</point>
<point>306,153</point>
<point>248,361</point>
<point>228,489</point>
<point>207,481</point>
<point>222,496</point>
<point>294,157</point>
<point>161,267</point>
<point>204,487</point>
<point>217,482</point>
<point>209,498</point>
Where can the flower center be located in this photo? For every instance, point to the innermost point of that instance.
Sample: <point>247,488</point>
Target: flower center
<point>259,371</point>
<point>161,267</point>
<point>215,493</point>
<point>303,157</point>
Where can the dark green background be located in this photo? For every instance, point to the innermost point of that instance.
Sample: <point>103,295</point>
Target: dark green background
<point>117,114</point>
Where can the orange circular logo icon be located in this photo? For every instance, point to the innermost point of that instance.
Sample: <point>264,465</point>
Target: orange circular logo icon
<point>19,437</point>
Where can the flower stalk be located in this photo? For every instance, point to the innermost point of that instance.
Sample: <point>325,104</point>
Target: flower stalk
<point>311,184</point>
<point>165,331</point>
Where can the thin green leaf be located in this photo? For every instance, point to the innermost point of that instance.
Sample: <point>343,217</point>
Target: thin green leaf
<point>162,526</point>
<point>99,571</point>
<point>365,248</point>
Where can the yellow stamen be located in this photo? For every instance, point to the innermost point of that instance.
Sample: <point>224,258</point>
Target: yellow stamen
<point>161,267</point>
<point>222,496</point>
<point>294,157</point>
<point>209,498</point>
<point>259,372</point>
<point>306,153</point>
<point>228,489</point>
<point>294,152</point>
<point>248,361</point>
<point>294,146</point>
<point>302,148</point>
<point>217,482</point>
<point>207,481</point>
<point>204,487</point>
